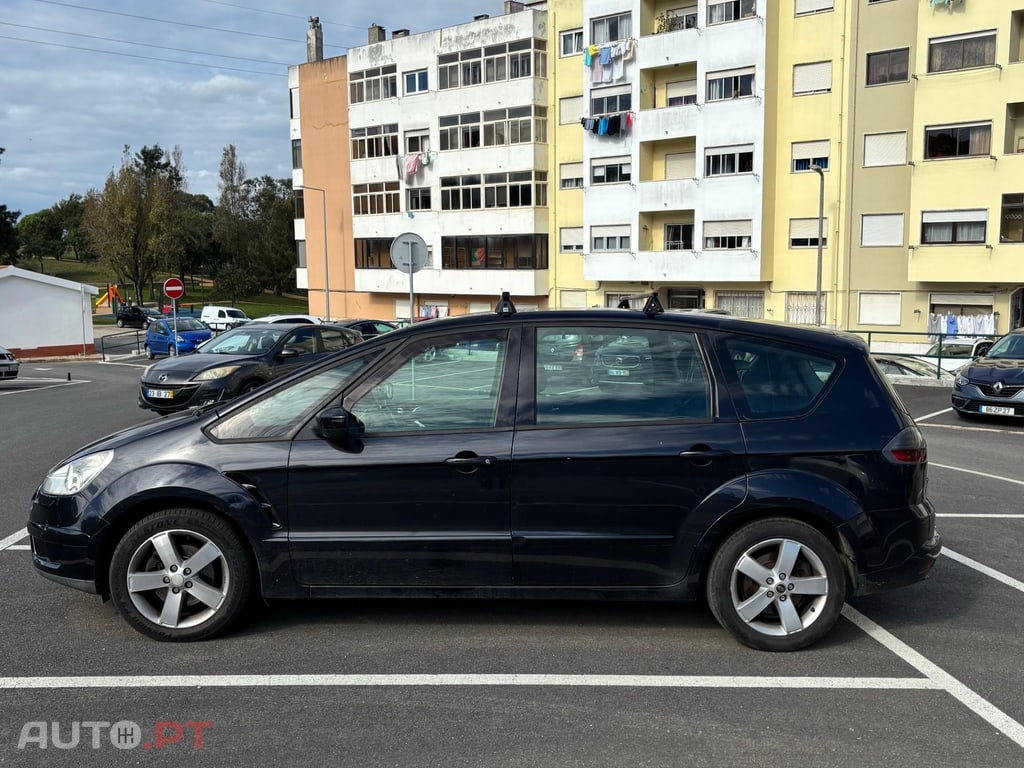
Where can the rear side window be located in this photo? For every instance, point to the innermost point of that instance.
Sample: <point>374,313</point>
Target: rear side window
<point>590,375</point>
<point>775,379</point>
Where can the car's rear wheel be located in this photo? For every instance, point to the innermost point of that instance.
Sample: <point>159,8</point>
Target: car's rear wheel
<point>180,575</point>
<point>120,323</point>
<point>776,584</point>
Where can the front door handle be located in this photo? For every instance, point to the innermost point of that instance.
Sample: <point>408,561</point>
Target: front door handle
<point>702,455</point>
<point>470,462</point>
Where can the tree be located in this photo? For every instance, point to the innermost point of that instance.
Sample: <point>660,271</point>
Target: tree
<point>40,235</point>
<point>68,213</point>
<point>272,213</point>
<point>131,222</point>
<point>8,234</point>
<point>232,230</point>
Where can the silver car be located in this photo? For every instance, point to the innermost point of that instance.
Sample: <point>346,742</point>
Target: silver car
<point>8,365</point>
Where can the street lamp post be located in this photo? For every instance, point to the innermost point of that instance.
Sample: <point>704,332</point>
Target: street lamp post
<point>821,236</point>
<point>327,282</point>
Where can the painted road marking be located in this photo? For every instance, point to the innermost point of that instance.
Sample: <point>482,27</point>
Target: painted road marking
<point>976,472</point>
<point>14,538</point>
<point>992,573</point>
<point>980,706</point>
<point>932,415</point>
<point>571,681</point>
<point>982,515</point>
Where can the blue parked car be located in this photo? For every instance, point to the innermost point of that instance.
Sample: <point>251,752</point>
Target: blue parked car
<point>191,333</point>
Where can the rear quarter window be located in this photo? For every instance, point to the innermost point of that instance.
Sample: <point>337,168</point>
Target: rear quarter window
<point>775,379</point>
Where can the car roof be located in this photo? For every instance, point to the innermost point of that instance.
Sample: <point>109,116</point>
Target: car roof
<point>709,321</point>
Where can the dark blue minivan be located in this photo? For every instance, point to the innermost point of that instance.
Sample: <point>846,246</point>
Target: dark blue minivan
<point>768,469</point>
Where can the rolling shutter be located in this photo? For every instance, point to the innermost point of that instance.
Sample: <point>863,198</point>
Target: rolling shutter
<point>885,149</point>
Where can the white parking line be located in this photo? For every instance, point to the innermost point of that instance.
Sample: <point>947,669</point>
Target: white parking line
<point>63,383</point>
<point>571,681</point>
<point>980,706</point>
<point>23,547</point>
<point>14,538</point>
<point>992,573</point>
<point>982,515</point>
<point>976,472</point>
<point>932,415</point>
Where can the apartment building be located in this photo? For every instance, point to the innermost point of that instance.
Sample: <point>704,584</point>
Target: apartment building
<point>573,152</point>
<point>660,151</point>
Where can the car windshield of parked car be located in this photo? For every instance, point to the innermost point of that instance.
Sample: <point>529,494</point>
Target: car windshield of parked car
<point>949,349</point>
<point>244,341</point>
<point>1009,347</point>
<point>186,324</point>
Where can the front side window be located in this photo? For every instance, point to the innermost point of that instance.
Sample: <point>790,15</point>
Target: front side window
<point>283,413</point>
<point>958,141</point>
<point>947,54</point>
<point>419,394</point>
<point>588,375</point>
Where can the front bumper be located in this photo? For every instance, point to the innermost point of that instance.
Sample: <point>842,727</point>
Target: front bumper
<point>976,398</point>
<point>183,396</point>
<point>64,555</point>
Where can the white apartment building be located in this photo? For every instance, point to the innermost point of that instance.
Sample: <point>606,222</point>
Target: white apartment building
<point>673,199</point>
<point>447,139</point>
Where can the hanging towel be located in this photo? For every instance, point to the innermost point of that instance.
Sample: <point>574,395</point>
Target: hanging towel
<point>588,57</point>
<point>629,119</point>
<point>614,123</point>
<point>630,49</point>
<point>606,54</point>
<point>602,128</point>
<point>595,72</point>
<point>618,65</point>
<point>412,164</point>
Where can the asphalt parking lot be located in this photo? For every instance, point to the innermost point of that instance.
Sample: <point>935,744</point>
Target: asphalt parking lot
<point>927,675</point>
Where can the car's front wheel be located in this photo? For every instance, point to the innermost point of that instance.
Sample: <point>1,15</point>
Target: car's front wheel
<point>120,323</point>
<point>180,575</point>
<point>149,352</point>
<point>776,584</point>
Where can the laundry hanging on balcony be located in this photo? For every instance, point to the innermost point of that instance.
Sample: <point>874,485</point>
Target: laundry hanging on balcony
<point>607,62</point>
<point>608,125</point>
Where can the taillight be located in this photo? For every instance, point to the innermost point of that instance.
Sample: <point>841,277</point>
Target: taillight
<point>908,447</point>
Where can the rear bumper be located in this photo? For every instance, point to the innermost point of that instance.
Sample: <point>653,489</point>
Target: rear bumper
<point>916,567</point>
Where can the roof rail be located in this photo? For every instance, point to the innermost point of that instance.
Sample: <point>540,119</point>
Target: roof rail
<point>505,305</point>
<point>652,306</point>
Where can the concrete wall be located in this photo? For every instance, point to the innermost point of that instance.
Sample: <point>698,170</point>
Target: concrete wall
<point>44,316</point>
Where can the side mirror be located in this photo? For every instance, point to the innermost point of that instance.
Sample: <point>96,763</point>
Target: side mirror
<point>337,425</point>
<point>289,352</point>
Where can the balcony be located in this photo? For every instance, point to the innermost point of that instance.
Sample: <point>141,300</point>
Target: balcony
<point>472,282</point>
<point>988,264</point>
<point>674,266</point>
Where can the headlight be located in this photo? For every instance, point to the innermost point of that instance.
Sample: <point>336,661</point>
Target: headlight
<point>962,381</point>
<point>216,373</point>
<point>70,478</point>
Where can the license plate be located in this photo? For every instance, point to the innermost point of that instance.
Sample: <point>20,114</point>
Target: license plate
<point>617,372</point>
<point>164,394</point>
<point>552,367</point>
<point>997,410</point>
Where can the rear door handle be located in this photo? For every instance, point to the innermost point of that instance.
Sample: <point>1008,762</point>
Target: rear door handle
<point>706,453</point>
<point>471,462</point>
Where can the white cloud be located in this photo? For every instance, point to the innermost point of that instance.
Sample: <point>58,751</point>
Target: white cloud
<point>67,113</point>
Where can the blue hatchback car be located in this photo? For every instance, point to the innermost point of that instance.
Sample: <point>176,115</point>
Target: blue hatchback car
<point>160,336</point>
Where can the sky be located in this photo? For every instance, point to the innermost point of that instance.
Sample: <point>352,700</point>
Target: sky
<point>80,79</point>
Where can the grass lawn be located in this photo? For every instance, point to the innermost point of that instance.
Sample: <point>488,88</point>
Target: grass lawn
<point>196,292</point>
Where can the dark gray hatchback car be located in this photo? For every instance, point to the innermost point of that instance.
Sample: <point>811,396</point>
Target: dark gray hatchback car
<point>770,470</point>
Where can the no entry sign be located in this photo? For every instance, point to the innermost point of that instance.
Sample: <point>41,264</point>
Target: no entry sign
<point>174,288</point>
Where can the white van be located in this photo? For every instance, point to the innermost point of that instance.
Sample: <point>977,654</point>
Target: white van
<point>222,318</point>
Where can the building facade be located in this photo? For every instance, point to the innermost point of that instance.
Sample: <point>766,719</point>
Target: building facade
<point>573,152</point>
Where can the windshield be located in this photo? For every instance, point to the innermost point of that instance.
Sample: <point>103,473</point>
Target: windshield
<point>1010,346</point>
<point>243,341</point>
<point>186,324</point>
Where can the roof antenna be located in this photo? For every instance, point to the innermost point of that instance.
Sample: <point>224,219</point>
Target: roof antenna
<point>505,306</point>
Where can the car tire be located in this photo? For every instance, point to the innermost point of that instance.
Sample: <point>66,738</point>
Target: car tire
<point>157,551</point>
<point>429,354</point>
<point>120,323</point>
<point>249,386</point>
<point>766,607</point>
<point>149,352</point>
